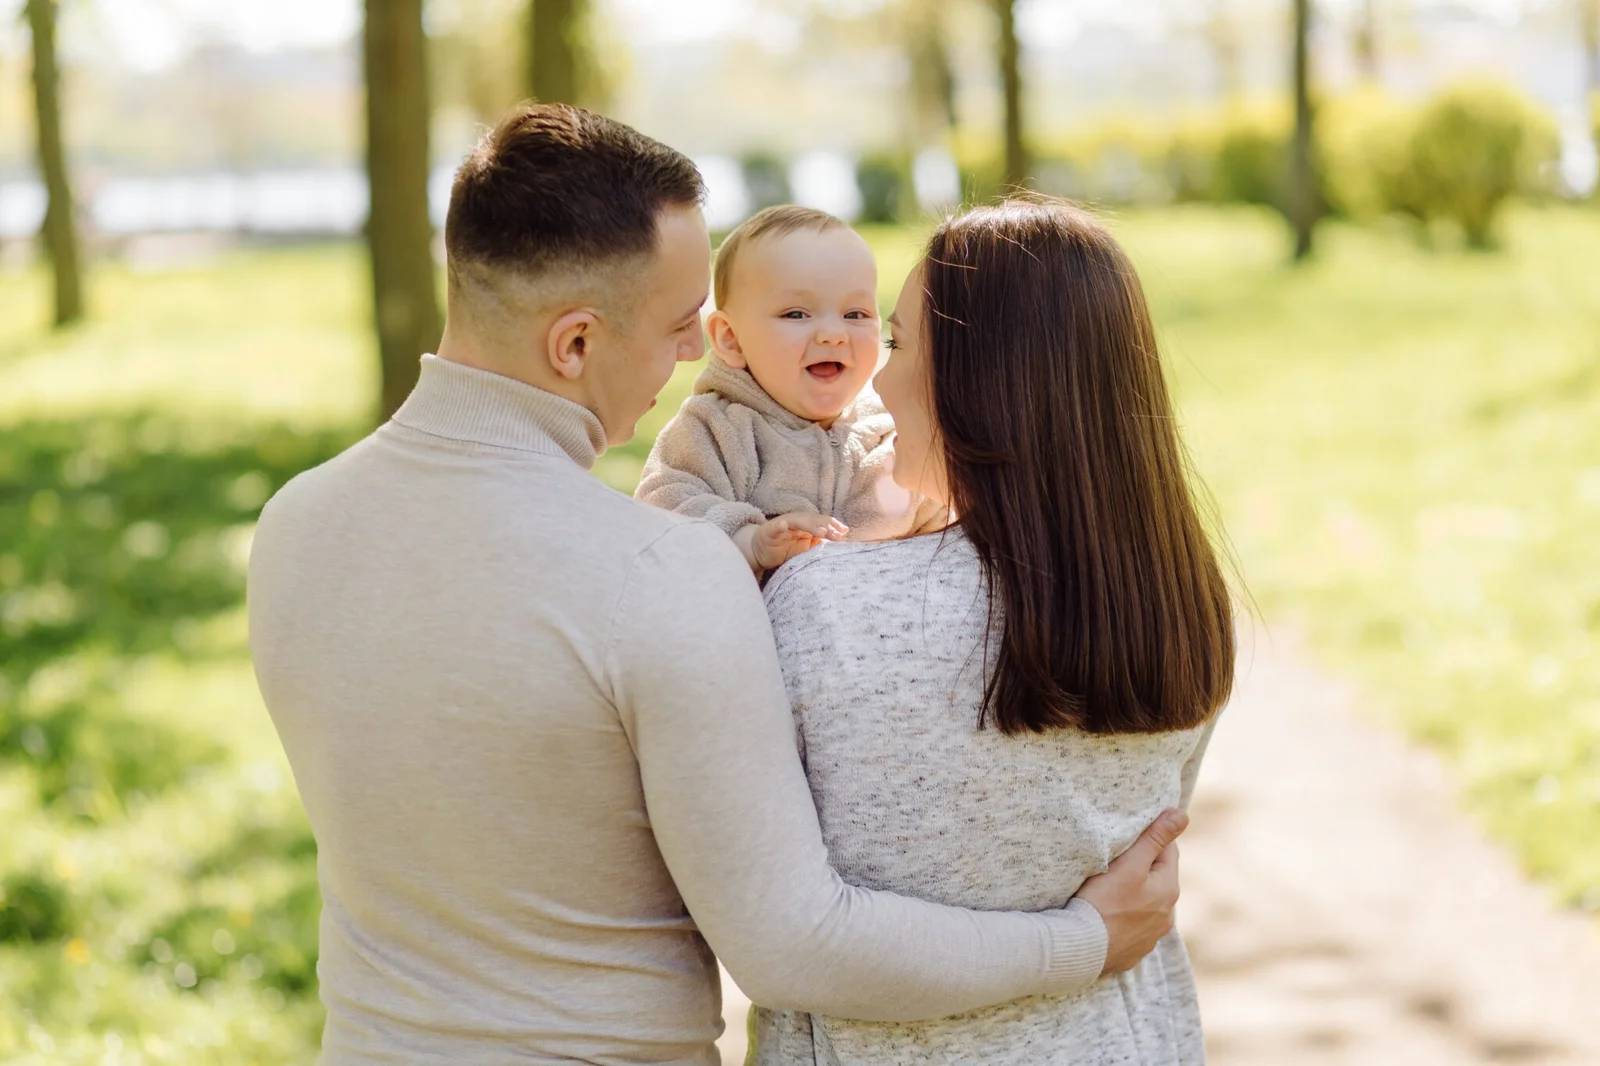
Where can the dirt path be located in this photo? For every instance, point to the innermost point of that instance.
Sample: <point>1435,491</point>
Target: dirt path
<point>1342,912</point>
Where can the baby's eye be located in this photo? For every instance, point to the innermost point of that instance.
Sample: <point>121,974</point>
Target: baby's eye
<point>857,316</point>
<point>794,314</point>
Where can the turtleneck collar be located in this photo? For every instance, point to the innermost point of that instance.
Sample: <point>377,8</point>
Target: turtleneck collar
<point>467,404</point>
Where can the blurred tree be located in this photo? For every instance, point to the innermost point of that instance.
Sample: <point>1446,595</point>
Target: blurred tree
<point>1366,42</point>
<point>60,227</point>
<point>558,54</point>
<point>1222,35</point>
<point>933,79</point>
<point>1017,165</point>
<point>1589,18</point>
<point>472,69</point>
<point>399,231</point>
<point>1305,199</point>
<point>1475,145</point>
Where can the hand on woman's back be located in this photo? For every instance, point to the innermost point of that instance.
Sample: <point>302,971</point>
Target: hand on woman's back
<point>1136,895</point>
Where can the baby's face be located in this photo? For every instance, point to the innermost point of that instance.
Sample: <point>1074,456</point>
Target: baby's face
<point>803,308</point>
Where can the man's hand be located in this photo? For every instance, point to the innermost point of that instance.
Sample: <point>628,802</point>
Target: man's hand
<point>1136,894</point>
<point>777,540</point>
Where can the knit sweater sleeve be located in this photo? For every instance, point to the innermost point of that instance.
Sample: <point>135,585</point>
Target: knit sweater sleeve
<point>1191,768</point>
<point>695,679</point>
<point>703,467</point>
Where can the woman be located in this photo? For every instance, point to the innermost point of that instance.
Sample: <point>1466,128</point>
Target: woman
<point>989,715</point>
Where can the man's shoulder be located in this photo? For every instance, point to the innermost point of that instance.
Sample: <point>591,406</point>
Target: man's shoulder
<point>314,486</point>
<point>689,549</point>
<point>645,534</point>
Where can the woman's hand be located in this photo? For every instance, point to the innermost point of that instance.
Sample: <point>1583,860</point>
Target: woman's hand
<point>777,540</point>
<point>1137,893</point>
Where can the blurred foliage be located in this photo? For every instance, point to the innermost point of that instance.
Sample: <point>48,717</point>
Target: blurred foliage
<point>1406,448</point>
<point>766,179</point>
<point>1456,158</point>
<point>1473,147</point>
<point>121,584</point>
<point>885,184</point>
<point>478,51</point>
<point>158,896</point>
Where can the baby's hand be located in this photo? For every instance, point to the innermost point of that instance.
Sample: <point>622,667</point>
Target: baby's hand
<point>777,540</point>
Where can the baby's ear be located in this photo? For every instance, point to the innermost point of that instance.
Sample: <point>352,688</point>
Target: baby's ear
<point>724,341</point>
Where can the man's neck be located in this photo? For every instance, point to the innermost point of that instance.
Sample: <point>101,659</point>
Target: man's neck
<point>467,350</point>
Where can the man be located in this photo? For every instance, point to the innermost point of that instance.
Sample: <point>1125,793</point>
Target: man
<point>538,727</point>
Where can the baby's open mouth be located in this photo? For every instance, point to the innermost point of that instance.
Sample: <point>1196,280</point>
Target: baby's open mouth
<point>825,371</point>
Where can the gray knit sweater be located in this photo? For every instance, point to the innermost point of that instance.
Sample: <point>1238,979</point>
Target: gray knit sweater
<point>882,650</point>
<point>734,456</point>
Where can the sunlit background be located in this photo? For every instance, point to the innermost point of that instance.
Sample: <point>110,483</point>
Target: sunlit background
<point>1381,312</point>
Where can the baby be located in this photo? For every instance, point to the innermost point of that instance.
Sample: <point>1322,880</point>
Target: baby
<point>783,445</point>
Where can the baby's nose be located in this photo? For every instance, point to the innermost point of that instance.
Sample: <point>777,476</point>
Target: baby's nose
<point>832,333</point>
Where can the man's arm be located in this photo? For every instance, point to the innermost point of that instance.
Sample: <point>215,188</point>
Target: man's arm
<point>696,682</point>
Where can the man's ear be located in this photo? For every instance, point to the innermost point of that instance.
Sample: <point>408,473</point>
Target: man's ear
<point>724,341</point>
<point>569,342</point>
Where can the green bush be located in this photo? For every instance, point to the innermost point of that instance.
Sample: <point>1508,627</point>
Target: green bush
<point>1191,161</point>
<point>1365,140</point>
<point>1122,160</point>
<point>1474,146</point>
<point>766,179</point>
<point>1456,158</point>
<point>33,908</point>
<point>884,183</point>
<point>1251,165</point>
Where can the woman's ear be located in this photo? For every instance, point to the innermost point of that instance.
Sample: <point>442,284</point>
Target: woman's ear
<point>724,341</point>
<point>570,342</point>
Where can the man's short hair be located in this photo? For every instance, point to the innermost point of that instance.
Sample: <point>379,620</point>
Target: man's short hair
<point>557,188</point>
<point>773,222</point>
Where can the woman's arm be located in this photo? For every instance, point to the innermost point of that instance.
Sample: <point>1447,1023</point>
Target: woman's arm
<point>696,684</point>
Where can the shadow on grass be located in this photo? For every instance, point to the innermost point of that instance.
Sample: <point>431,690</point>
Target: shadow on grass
<point>120,537</point>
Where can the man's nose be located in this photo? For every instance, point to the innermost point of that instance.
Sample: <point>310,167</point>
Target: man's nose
<point>693,350</point>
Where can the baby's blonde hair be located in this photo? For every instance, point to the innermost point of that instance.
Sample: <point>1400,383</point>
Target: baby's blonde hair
<point>772,222</point>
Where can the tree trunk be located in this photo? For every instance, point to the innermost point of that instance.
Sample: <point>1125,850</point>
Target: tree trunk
<point>1017,165</point>
<point>1304,197</point>
<point>933,80</point>
<point>399,231</point>
<point>1366,43</point>
<point>555,40</point>
<point>1222,33</point>
<point>1589,13</point>
<point>60,225</point>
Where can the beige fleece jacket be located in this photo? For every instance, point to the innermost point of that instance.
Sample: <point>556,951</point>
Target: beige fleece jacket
<point>734,456</point>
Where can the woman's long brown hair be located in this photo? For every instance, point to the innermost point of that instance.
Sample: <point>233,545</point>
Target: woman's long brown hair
<point>1068,476</point>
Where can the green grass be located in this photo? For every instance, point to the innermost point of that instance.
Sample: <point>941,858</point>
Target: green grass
<point>1404,446</point>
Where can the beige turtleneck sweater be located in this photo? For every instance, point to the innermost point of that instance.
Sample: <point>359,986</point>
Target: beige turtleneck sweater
<point>543,740</point>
